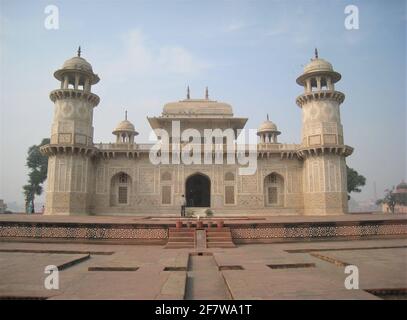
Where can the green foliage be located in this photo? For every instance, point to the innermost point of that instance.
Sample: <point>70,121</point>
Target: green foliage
<point>37,164</point>
<point>355,181</point>
<point>209,213</point>
<point>189,213</point>
<point>391,199</point>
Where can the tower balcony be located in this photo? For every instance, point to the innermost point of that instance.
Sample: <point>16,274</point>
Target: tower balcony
<point>78,149</point>
<point>74,94</point>
<point>341,150</point>
<point>320,95</point>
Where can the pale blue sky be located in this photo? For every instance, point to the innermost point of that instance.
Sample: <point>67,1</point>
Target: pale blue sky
<point>249,53</point>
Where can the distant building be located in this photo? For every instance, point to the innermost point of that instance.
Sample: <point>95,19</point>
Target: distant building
<point>401,198</point>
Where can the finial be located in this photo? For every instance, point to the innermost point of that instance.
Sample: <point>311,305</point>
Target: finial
<point>267,117</point>
<point>188,93</point>
<point>79,51</point>
<point>125,115</point>
<point>316,53</point>
<point>206,93</point>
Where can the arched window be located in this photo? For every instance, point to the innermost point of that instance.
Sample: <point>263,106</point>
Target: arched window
<point>166,176</point>
<point>274,190</point>
<point>230,189</point>
<point>229,176</point>
<point>166,188</point>
<point>120,189</point>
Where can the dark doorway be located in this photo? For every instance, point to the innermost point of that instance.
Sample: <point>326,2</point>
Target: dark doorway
<point>198,191</point>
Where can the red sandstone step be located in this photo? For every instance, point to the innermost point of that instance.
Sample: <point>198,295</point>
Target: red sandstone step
<point>186,235</point>
<point>220,245</point>
<point>219,240</point>
<point>179,241</point>
<point>218,234</point>
<point>179,246</point>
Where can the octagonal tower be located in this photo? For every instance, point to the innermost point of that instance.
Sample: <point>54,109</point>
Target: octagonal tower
<point>322,147</point>
<point>70,170</point>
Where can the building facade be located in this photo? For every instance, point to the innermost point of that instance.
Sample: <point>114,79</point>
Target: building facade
<point>120,178</point>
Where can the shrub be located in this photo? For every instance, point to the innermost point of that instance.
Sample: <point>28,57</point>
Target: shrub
<point>209,213</point>
<point>189,213</point>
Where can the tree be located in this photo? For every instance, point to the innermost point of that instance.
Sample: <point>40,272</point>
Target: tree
<point>37,164</point>
<point>355,181</point>
<point>389,199</point>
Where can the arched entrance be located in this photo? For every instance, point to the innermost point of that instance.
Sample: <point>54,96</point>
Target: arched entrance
<point>198,191</point>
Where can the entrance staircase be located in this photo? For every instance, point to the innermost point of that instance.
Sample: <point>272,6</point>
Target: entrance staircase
<point>184,238</point>
<point>219,238</point>
<point>181,238</point>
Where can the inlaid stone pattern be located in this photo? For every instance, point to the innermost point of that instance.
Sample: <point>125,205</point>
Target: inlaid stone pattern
<point>78,232</point>
<point>318,231</point>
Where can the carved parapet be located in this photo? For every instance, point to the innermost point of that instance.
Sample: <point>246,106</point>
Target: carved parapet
<point>320,95</point>
<point>77,94</point>
<point>53,149</point>
<point>341,150</point>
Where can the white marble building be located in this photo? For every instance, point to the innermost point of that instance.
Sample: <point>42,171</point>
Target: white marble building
<point>118,178</point>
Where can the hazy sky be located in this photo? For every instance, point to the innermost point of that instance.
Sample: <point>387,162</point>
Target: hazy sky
<point>249,53</point>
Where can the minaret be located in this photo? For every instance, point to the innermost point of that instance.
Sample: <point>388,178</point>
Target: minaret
<point>71,149</point>
<point>323,149</point>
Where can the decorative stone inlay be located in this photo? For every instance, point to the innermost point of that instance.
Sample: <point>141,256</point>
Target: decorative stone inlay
<point>318,231</point>
<point>81,232</point>
<point>77,94</point>
<point>319,95</point>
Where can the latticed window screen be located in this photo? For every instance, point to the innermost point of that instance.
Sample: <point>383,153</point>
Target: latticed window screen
<point>229,176</point>
<point>123,178</point>
<point>229,194</point>
<point>272,195</point>
<point>166,194</point>
<point>122,195</point>
<point>272,178</point>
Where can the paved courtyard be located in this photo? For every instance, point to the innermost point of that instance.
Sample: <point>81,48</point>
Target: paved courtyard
<point>307,270</point>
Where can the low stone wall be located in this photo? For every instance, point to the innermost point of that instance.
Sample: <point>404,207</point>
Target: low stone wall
<point>89,232</point>
<point>130,232</point>
<point>300,231</point>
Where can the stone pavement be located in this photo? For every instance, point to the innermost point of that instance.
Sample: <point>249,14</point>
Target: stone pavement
<point>306,270</point>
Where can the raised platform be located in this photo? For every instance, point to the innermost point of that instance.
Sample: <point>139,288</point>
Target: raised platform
<point>154,230</point>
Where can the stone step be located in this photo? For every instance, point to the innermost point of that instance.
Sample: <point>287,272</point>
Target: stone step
<point>181,234</point>
<point>181,239</point>
<point>179,245</point>
<point>219,240</point>
<point>220,245</point>
<point>218,234</point>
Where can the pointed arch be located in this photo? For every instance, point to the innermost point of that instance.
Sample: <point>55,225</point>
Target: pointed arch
<point>198,190</point>
<point>120,189</point>
<point>274,190</point>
